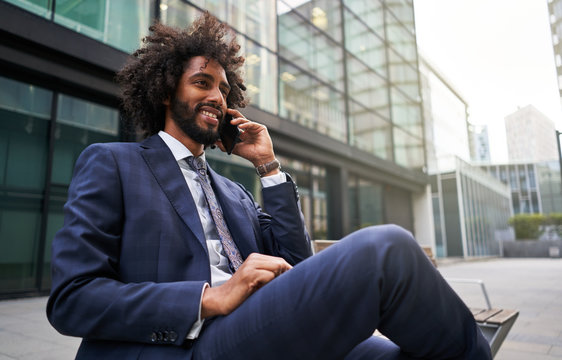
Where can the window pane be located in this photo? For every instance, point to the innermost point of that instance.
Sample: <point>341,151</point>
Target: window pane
<point>38,7</point>
<point>362,42</point>
<point>121,24</point>
<point>24,125</point>
<point>408,150</point>
<point>177,13</point>
<point>366,203</point>
<point>404,75</point>
<point>370,13</point>
<point>406,114</point>
<point>79,123</point>
<point>254,18</point>
<point>260,75</point>
<point>309,103</point>
<point>370,132</point>
<point>322,14</point>
<point>367,88</point>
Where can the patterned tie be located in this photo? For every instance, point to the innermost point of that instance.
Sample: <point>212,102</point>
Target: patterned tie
<point>200,167</point>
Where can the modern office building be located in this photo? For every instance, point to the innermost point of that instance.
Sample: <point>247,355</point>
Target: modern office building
<point>336,82</point>
<point>479,143</point>
<point>470,208</point>
<point>471,211</point>
<point>535,187</point>
<point>530,136</point>
<point>446,119</point>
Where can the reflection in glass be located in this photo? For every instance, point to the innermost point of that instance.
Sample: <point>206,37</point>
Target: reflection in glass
<point>121,24</point>
<point>322,14</point>
<point>364,43</point>
<point>303,45</point>
<point>309,103</point>
<point>38,7</point>
<point>311,181</point>
<point>79,123</point>
<point>24,129</point>
<point>260,75</point>
<point>370,132</point>
<point>408,150</point>
<point>367,87</point>
<point>369,12</point>
<point>366,203</point>
<point>406,113</point>
<point>254,19</point>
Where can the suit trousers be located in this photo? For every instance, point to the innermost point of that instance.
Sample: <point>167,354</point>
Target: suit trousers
<point>328,306</point>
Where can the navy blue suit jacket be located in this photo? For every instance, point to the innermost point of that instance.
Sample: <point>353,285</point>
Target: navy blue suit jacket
<point>130,262</point>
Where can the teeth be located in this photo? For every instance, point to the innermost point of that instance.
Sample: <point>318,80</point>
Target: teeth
<point>209,114</point>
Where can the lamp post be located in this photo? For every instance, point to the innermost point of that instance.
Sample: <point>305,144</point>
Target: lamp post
<point>558,133</point>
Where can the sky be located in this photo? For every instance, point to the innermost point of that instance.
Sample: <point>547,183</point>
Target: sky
<point>496,53</point>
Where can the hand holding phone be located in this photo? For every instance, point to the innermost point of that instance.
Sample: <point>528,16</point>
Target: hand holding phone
<point>229,134</point>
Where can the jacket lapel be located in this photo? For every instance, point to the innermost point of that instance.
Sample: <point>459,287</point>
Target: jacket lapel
<point>239,225</point>
<point>165,169</point>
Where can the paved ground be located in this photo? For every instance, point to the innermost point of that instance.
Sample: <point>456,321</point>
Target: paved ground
<point>534,286</point>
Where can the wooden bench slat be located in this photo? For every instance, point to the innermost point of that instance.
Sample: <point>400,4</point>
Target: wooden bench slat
<point>485,315</point>
<point>502,317</point>
<point>476,311</point>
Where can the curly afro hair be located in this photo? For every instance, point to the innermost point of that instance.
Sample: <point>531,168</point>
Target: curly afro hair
<point>153,72</point>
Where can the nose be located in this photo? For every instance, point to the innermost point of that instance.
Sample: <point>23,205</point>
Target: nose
<point>216,96</point>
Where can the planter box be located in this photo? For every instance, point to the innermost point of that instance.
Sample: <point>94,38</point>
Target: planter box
<point>532,248</point>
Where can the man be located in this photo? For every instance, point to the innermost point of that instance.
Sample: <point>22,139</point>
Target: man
<point>162,258</point>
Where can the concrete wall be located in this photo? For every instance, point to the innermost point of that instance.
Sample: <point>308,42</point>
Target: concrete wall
<point>532,248</point>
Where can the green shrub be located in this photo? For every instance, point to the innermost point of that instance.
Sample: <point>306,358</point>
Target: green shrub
<point>555,219</point>
<point>527,226</point>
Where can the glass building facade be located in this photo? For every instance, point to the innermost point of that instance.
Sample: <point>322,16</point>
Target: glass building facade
<point>336,82</point>
<point>471,212</point>
<point>535,187</point>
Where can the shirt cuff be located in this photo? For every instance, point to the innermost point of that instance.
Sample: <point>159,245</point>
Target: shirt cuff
<point>274,179</point>
<point>196,328</point>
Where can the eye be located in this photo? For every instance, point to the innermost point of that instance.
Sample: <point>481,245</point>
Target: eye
<point>201,82</point>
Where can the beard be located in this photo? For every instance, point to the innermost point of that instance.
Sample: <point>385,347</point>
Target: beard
<point>184,117</point>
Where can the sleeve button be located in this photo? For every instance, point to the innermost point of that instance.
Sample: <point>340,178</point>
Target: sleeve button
<point>173,336</point>
<point>153,337</point>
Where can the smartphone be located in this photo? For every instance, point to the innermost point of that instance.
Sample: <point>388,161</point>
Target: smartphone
<point>229,134</point>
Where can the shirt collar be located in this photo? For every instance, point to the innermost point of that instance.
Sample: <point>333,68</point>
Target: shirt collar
<point>176,147</point>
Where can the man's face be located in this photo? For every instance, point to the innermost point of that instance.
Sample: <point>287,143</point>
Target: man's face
<point>200,100</point>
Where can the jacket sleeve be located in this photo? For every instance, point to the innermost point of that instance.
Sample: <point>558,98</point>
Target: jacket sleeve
<point>282,223</point>
<point>88,298</point>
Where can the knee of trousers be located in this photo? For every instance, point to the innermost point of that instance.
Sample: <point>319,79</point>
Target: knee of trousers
<point>383,241</point>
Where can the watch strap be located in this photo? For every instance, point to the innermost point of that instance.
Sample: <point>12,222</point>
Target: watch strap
<point>267,167</point>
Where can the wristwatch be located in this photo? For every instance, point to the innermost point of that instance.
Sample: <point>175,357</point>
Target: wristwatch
<point>267,167</point>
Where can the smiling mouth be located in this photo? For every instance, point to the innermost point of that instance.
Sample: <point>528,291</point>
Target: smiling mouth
<point>209,114</point>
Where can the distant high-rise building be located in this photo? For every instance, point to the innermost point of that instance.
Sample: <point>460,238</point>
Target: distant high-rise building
<point>479,143</point>
<point>555,11</point>
<point>530,136</point>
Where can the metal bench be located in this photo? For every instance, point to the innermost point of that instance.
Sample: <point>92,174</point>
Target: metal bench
<point>495,323</point>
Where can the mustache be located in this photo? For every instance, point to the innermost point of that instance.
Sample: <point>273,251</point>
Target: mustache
<point>213,105</point>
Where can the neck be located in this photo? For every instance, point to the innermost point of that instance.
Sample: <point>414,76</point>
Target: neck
<point>194,147</point>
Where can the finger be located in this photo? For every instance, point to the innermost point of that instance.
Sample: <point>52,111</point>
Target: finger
<point>266,262</point>
<point>239,121</point>
<point>235,113</point>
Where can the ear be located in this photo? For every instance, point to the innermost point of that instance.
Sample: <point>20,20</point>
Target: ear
<point>166,101</point>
